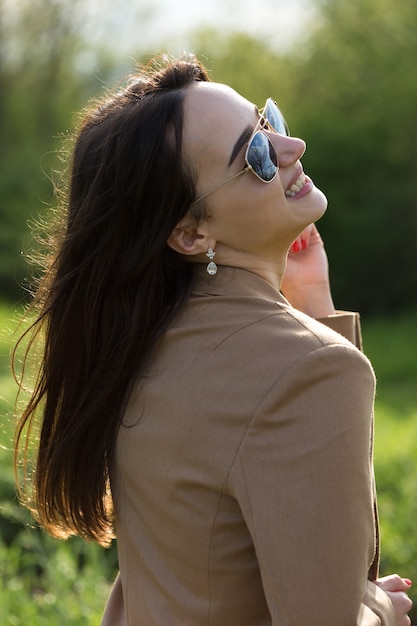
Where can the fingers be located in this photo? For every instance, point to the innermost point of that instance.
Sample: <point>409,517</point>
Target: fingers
<point>393,582</point>
<point>314,235</point>
<point>396,589</point>
<point>402,605</point>
<point>310,236</point>
<point>303,240</point>
<point>299,244</point>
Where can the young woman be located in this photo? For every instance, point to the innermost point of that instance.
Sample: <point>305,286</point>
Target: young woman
<point>217,427</point>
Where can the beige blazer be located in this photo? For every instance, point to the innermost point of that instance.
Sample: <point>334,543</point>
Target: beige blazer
<point>242,479</point>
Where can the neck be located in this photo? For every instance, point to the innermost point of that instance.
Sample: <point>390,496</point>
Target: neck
<point>270,269</point>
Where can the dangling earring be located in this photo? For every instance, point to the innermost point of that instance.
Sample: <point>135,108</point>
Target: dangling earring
<point>211,267</point>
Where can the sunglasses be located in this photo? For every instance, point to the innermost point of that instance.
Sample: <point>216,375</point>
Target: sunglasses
<point>261,158</point>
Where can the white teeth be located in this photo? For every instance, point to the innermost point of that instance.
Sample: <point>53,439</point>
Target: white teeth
<point>297,186</point>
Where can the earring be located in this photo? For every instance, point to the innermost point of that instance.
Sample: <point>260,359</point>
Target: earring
<point>211,267</point>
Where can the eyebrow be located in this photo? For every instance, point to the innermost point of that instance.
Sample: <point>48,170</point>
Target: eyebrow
<point>244,138</point>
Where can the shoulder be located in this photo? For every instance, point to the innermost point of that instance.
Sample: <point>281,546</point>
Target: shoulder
<point>239,302</point>
<point>250,329</point>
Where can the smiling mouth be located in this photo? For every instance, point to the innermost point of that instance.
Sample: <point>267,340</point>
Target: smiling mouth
<point>297,186</point>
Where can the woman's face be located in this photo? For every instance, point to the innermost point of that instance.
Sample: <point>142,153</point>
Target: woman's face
<point>246,215</point>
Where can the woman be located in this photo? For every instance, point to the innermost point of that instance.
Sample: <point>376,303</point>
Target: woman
<point>233,428</point>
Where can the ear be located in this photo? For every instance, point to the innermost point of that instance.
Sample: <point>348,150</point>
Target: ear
<point>190,239</point>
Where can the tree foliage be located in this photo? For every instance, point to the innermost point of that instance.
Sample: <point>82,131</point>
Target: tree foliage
<point>41,85</point>
<point>354,98</point>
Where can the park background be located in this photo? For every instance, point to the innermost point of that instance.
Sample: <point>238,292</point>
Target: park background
<point>344,73</point>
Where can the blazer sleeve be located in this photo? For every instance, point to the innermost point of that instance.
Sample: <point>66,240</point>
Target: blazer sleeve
<point>303,479</point>
<point>348,324</point>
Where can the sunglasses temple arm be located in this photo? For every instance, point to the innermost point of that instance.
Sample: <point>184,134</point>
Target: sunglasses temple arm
<point>245,169</point>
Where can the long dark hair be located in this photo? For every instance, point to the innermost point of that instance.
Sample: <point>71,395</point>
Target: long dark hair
<point>111,287</point>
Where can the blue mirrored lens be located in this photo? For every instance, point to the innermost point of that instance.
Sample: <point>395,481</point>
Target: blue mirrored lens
<point>275,117</point>
<point>262,157</point>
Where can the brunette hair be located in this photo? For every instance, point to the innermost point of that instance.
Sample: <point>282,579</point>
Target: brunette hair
<point>111,287</point>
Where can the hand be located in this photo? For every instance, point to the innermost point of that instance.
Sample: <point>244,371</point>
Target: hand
<point>306,280</point>
<point>396,589</point>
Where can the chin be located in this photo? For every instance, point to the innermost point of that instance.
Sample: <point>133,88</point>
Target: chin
<point>314,205</point>
<point>321,200</point>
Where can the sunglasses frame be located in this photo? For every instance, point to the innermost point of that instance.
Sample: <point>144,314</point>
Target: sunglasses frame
<point>266,125</point>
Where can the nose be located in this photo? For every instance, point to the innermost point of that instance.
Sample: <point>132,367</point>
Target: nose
<point>288,149</point>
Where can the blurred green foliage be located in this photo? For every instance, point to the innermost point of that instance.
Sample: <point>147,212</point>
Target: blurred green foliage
<point>390,344</point>
<point>42,581</point>
<point>43,82</point>
<point>357,99</point>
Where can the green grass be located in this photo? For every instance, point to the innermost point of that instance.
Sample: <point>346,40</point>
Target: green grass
<point>391,345</point>
<point>45,582</point>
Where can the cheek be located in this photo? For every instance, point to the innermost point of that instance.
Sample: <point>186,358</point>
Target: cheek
<point>206,162</point>
<point>266,198</point>
<point>246,205</point>
<point>246,217</point>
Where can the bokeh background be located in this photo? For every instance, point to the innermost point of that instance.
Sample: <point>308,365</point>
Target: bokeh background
<point>344,74</point>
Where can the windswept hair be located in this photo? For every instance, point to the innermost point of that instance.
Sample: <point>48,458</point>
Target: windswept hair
<point>111,287</point>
